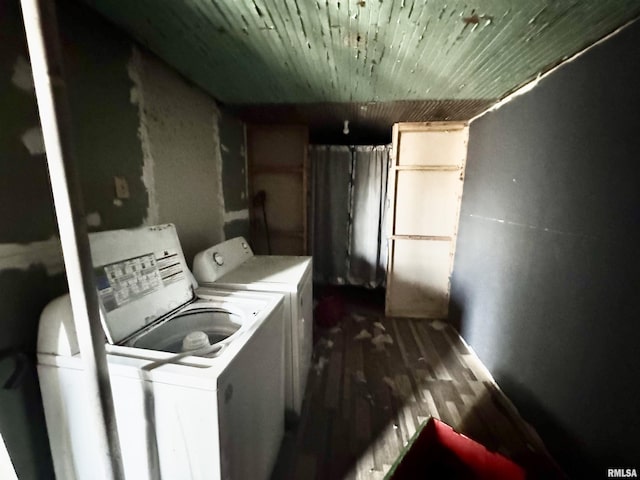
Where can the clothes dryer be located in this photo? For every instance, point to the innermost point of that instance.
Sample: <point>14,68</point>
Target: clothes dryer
<point>232,265</point>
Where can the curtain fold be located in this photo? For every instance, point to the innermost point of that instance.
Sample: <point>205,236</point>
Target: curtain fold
<point>349,214</point>
<point>331,177</point>
<point>367,253</point>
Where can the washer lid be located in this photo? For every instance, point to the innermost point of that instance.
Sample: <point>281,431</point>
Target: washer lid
<point>141,275</point>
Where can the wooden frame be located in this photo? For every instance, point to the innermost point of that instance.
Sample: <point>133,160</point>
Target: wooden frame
<point>419,285</point>
<point>294,167</point>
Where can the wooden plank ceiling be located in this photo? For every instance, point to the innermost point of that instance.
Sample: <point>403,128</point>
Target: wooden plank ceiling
<point>447,59</point>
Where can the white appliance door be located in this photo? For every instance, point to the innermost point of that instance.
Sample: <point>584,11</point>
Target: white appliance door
<point>166,431</point>
<point>251,404</point>
<point>304,336</point>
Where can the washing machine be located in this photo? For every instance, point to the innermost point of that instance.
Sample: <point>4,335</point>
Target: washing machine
<point>197,376</point>
<point>232,265</point>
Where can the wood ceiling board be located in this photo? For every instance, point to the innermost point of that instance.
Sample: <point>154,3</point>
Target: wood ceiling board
<point>329,51</point>
<point>362,116</point>
<point>369,123</point>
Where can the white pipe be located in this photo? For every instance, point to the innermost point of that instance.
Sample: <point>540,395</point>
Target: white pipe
<point>44,49</point>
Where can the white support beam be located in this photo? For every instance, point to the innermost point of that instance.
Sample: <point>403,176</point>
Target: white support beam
<point>46,60</point>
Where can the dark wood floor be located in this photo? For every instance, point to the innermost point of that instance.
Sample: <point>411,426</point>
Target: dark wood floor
<point>368,392</point>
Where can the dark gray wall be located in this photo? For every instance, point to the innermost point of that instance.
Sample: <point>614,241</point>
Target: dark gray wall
<point>26,215</point>
<point>105,128</point>
<point>105,132</point>
<point>31,218</point>
<point>105,122</point>
<point>545,283</point>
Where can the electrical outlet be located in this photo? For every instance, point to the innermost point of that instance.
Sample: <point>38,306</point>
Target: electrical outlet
<point>122,187</point>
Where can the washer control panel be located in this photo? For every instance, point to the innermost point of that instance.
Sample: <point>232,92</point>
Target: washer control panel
<point>220,259</point>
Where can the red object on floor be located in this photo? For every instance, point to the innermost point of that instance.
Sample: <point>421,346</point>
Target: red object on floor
<point>438,451</point>
<point>329,311</point>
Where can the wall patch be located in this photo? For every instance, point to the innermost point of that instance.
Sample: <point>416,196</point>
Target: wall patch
<point>33,140</point>
<point>22,256</point>
<point>22,76</point>
<point>237,215</point>
<point>93,219</point>
<point>137,98</point>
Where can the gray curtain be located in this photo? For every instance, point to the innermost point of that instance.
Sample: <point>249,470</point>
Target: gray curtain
<point>349,214</point>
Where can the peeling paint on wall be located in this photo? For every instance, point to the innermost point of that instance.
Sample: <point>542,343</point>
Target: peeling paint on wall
<point>237,215</point>
<point>179,136</point>
<point>236,224</point>
<point>93,219</point>
<point>137,98</point>
<point>47,253</point>
<point>234,178</point>
<point>104,121</point>
<point>26,211</point>
<point>33,140</point>
<point>22,76</point>
<point>217,157</point>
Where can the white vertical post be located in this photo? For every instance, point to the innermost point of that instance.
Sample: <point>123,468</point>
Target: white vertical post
<point>46,60</point>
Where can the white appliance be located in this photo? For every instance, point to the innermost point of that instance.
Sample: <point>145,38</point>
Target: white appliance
<point>197,380</point>
<point>232,265</point>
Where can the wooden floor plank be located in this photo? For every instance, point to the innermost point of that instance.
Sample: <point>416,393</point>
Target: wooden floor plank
<point>432,408</point>
<point>339,457</point>
<point>367,402</point>
<point>404,331</point>
<point>349,367</point>
<point>400,342</point>
<point>446,354</point>
<point>382,412</point>
<point>305,467</point>
<point>472,425</point>
<point>409,424</point>
<point>418,340</point>
<point>441,372</point>
<point>479,370</point>
<point>332,393</point>
<point>387,446</point>
<point>456,341</point>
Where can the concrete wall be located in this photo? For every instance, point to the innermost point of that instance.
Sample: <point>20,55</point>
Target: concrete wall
<point>133,117</point>
<point>545,281</point>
